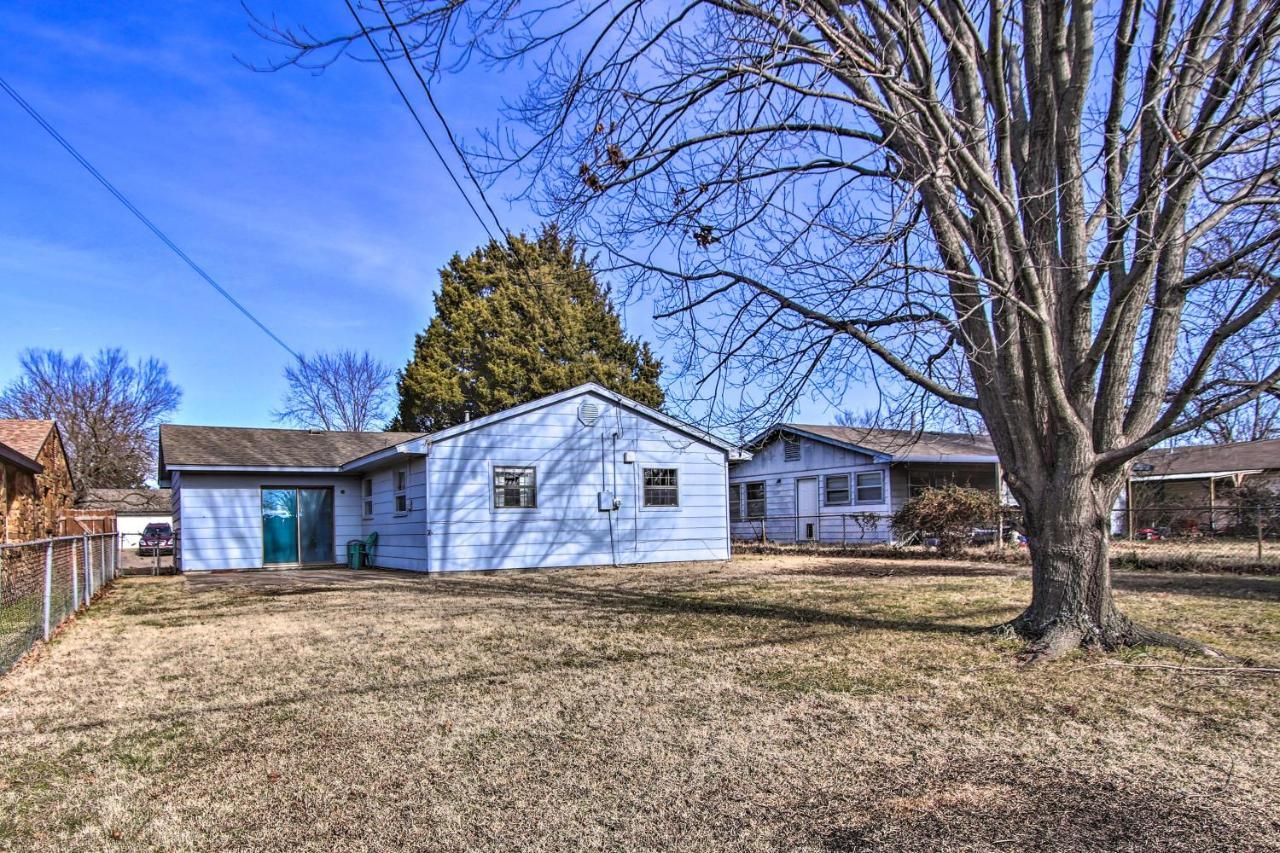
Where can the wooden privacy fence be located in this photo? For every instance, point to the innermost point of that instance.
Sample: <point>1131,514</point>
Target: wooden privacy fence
<point>76,522</point>
<point>43,583</point>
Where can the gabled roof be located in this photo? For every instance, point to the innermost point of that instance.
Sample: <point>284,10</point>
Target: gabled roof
<point>1233,458</point>
<point>126,501</point>
<point>893,445</point>
<point>600,391</point>
<point>251,448</point>
<point>23,461</point>
<point>25,436</point>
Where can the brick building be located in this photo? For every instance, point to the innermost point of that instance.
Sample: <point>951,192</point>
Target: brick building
<point>36,487</point>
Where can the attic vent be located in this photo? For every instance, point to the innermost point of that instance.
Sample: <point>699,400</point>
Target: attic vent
<point>791,449</point>
<point>588,412</point>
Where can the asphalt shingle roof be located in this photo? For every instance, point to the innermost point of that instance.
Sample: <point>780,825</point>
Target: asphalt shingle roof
<point>1206,458</point>
<point>901,442</point>
<point>148,501</point>
<point>251,447</point>
<point>25,436</point>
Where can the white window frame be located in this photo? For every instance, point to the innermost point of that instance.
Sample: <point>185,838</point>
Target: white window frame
<point>857,488</point>
<point>493,487</point>
<point>644,497</point>
<point>848,490</point>
<point>400,490</point>
<point>366,497</point>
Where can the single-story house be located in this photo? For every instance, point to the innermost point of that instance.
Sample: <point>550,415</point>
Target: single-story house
<point>585,476</point>
<point>841,484</point>
<point>1195,487</point>
<point>36,488</point>
<point>133,509</point>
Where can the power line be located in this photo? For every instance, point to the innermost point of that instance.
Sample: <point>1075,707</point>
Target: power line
<point>457,149</point>
<point>422,127</point>
<point>164,238</point>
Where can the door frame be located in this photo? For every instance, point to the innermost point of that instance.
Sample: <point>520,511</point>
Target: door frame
<point>817,507</point>
<point>297,525</point>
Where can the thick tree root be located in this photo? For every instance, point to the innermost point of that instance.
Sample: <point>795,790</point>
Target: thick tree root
<point>1046,642</point>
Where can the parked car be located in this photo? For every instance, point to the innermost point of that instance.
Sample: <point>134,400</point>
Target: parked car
<point>156,537</point>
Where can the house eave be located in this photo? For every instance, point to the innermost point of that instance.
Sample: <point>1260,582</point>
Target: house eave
<point>1199,475</point>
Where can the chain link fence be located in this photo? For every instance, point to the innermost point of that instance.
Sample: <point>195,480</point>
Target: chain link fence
<point>43,583</point>
<point>1172,538</point>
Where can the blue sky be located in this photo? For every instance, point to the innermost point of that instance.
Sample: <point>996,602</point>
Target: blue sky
<point>313,199</point>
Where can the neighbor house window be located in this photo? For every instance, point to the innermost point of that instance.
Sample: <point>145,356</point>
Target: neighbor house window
<point>366,497</point>
<point>515,488</point>
<point>791,449</point>
<point>755,500</point>
<point>735,502</point>
<point>837,489</point>
<point>870,487</point>
<point>661,487</point>
<point>402,489</point>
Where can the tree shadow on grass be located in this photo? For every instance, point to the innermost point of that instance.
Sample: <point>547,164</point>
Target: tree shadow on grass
<point>1257,587</point>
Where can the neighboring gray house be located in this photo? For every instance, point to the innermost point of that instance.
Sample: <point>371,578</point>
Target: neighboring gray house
<point>830,483</point>
<point>582,477</point>
<point>1196,486</point>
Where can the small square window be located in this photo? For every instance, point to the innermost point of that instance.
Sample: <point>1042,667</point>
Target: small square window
<point>661,487</point>
<point>401,482</point>
<point>366,497</point>
<point>837,489</point>
<point>755,500</point>
<point>515,487</point>
<point>870,487</point>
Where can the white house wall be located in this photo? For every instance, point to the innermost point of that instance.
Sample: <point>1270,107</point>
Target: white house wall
<point>402,537</point>
<point>574,462</point>
<point>817,459</point>
<point>220,516</point>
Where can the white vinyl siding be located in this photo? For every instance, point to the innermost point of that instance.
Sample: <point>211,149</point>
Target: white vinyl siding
<point>574,463</point>
<point>221,516</point>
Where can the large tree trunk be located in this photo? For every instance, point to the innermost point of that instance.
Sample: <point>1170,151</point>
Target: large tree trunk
<point>1068,535</point>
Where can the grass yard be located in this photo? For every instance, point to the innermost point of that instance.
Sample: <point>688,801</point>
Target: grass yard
<point>777,702</point>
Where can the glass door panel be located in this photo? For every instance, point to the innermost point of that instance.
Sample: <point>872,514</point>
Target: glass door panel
<point>279,526</point>
<point>315,525</point>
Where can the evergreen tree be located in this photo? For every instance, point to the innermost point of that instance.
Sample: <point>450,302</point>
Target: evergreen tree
<point>514,323</point>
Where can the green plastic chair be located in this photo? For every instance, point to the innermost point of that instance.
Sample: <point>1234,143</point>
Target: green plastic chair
<point>360,552</point>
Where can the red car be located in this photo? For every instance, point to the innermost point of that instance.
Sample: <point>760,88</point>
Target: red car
<point>156,537</point>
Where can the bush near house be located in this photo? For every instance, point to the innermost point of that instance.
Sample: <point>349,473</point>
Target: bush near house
<point>947,514</point>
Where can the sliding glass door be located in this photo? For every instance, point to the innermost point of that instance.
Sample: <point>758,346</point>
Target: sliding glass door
<point>297,526</point>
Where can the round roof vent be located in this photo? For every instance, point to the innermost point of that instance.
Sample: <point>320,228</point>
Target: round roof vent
<point>588,412</point>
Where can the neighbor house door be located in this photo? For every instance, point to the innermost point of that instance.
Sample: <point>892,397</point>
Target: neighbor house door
<point>297,526</point>
<point>806,509</point>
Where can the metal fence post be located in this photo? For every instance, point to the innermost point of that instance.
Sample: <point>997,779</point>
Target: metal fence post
<point>88,571</point>
<point>75,576</point>
<point>48,586</point>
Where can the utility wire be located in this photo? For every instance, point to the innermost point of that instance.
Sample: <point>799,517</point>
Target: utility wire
<point>164,238</point>
<point>405,98</point>
<point>457,149</point>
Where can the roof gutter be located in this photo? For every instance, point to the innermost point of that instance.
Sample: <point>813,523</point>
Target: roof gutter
<point>1200,475</point>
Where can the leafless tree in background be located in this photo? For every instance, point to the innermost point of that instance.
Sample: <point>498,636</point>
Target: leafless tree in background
<point>1054,214</point>
<point>343,390</point>
<point>109,410</point>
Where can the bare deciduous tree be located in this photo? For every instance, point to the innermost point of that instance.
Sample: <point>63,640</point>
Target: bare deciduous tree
<point>109,411</point>
<point>1020,208</point>
<point>343,390</point>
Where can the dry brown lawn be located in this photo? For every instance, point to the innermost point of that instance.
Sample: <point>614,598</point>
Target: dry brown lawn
<point>775,702</point>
